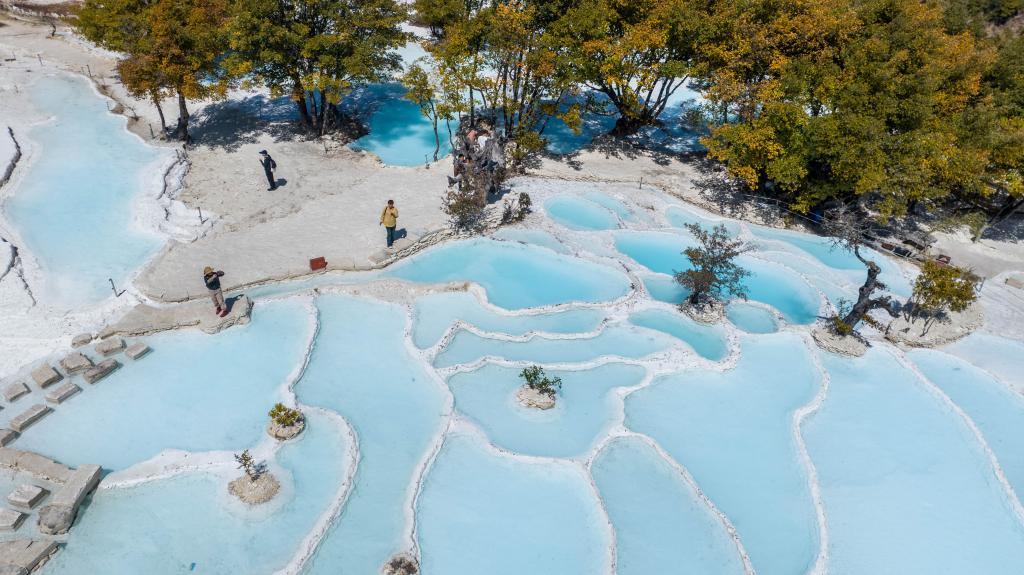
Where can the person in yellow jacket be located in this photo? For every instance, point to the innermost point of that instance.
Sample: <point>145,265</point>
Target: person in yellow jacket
<point>389,219</point>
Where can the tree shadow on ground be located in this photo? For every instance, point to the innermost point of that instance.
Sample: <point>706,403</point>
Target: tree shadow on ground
<point>1009,230</point>
<point>730,198</point>
<point>620,149</point>
<point>230,124</point>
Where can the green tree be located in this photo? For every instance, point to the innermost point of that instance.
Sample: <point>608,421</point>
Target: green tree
<point>437,14</point>
<point>314,50</point>
<point>714,274</point>
<point>940,289</point>
<point>853,99</point>
<point>537,380</point>
<point>638,53</point>
<point>438,97</point>
<point>510,65</point>
<point>994,128</point>
<point>169,46</point>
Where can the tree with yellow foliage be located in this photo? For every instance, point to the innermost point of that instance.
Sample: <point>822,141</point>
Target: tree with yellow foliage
<point>637,53</point>
<point>168,46</point>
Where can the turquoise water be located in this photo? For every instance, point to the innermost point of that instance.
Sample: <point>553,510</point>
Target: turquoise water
<point>905,485</point>
<point>193,391</point>
<point>485,513</point>
<point>515,276</point>
<point>583,409</point>
<point>708,341</point>
<point>576,213</point>
<point>610,203</point>
<point>187,524</point>
<point>751,318</point>
<point>680,217</point>
<point>999,356</point>
<point>733,432</point>
<point>362,370</point>
<point>661,526</point>
<point>74,206</point>
<point>838,258</point>
<point>436,313</point>
<point>996,409</point>
<point>657,251</point>
<point>528,236</point>
<point>616,340</point>
<point>400,135</point>
<point>768,283</point>
<point>460,472</point>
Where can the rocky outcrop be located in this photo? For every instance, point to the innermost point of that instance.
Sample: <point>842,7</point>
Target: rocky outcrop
<point>8,169</point>
<point>828,340</point>
<point>23,556</point>
<point>27,496</point>
<point>56,517</point>
<point>534,399</point>
<point>12,392</point>
<point>45,376</point>
<point>136,351</point>
<point>100,370</point>
<point>953,326</point>
<point>255,492</point>
<point>42,468</point>
<point>75,362</point>
<point>7,436</point>
<point>286,432</point>
<point>711,313</point>
<point>62,393</point>
<point>110,346</point>
<point>145,320</point>
<point>401,564</point>
<point>23,420</point>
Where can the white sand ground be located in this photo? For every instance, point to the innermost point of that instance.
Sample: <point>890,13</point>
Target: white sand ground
<point>329,205</point>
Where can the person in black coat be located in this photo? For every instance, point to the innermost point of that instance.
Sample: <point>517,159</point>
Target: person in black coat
<point>269,165</point>
<point>211,278</point>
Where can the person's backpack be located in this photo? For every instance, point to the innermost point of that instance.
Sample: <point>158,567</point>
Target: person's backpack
<point>273,164</point>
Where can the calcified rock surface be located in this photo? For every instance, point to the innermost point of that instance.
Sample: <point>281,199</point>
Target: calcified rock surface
<point>712,313</point>
<point>286,432</point>
<point>829,341</point>
<point>145,320</point>
<point>262,490</point>
<point>942,331</point>
<point>401,564</point>
<point>534,399</point>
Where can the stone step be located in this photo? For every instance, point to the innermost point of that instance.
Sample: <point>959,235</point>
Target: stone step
<point>10,519</point>
<point>62,392</point>
<point>28,417</point>
<point>57,517</point>
<point>75,362</point>
<point>137,350</point>
<point>14,391</point>
<point>101,370</point>
<point>26,496</point>
<point>21,556</point>
<point>7,436</point>
<point>81,339</point>
<point>39,467</point>
<point>110,346</point>
<point>45,376</point>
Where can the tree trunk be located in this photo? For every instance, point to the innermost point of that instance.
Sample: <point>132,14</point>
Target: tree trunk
<point>627,126</point>
<point>182,130</point>
<point>299,97</point>
<point>160,110</point>
<point>865,303</point>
